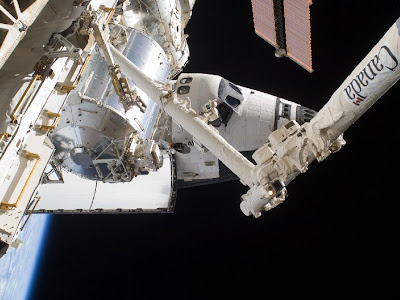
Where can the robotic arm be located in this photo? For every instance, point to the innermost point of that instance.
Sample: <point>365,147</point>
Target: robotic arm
<point>292,147</point>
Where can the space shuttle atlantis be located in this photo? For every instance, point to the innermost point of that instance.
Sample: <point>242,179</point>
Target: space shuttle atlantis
<point>97,115</point>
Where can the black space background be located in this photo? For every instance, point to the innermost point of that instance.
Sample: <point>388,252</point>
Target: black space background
<point>335,233</point>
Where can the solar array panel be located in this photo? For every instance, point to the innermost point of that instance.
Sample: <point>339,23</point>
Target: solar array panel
<point>285,24</point>
<point>298,31</point>
<point>264,22</point>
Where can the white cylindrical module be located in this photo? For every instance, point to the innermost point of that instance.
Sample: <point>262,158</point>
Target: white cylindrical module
<point>373,76</point>
<point>94,125</point>
<point>164,21</point>
<point>95,130</point>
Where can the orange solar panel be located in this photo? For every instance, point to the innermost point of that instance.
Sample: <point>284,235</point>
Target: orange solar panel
<point>264,23</point>
<point>298,31</point>
<point>285,24</point>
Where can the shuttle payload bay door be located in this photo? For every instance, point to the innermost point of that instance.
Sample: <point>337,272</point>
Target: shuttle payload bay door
<point>154,192</point>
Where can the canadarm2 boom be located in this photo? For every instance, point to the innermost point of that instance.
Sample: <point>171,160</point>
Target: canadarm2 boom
<point>292,147</point>
<point>374,76</point>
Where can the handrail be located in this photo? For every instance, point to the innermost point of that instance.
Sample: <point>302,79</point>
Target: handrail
<point>10,206</point>
<point>4,135</point>
<point>108,10</point>
<point>68,88</point>
<point>48,128</point>
<point>21,100</point>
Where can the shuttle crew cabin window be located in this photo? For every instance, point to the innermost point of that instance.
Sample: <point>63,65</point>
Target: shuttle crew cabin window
<point>186,80</point>
<point>232,101</point>
<point>235,88</point>
<point>230,94</point>
<point>184,89</point>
